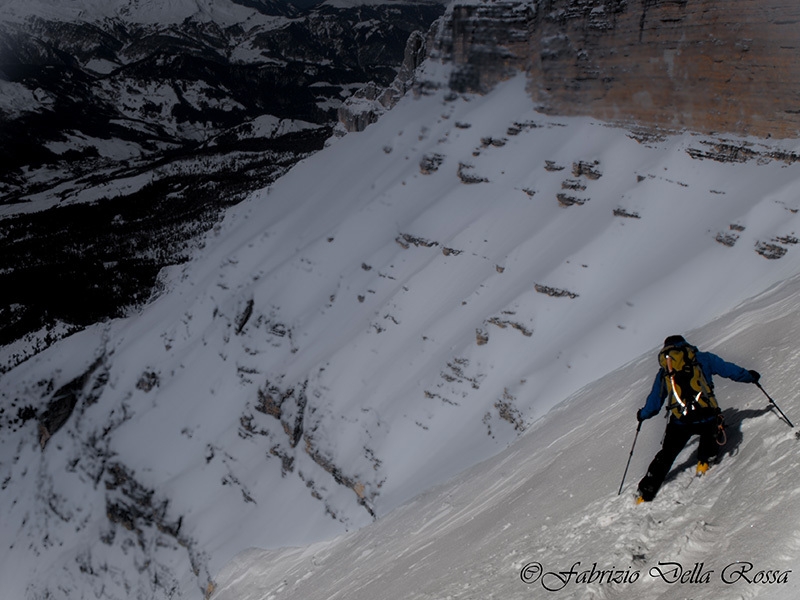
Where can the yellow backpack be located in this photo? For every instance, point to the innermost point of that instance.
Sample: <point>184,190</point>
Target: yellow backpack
<point>687,387</point>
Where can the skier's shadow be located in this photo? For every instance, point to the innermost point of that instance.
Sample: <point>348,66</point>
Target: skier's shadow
<point>733,438</point>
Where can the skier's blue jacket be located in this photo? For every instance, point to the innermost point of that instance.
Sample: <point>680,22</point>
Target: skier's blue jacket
<point>711,364</point>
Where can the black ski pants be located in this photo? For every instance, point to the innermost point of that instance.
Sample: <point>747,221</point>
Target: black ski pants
<point>675,439</point>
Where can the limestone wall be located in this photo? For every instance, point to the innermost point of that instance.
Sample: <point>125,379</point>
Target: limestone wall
<point>703,65</point>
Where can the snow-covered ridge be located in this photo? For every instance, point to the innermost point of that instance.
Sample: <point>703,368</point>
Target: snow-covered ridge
<point>136,11</point>
<point>395,309</point>
<point>164,12</point>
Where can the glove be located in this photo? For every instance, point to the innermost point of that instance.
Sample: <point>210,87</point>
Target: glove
<point>639,415</point>
<point>755,375</point>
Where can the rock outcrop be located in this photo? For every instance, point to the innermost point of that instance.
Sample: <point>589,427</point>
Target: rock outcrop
<point>369,102</point>
<point>486,42</point>
<point>702,65</point>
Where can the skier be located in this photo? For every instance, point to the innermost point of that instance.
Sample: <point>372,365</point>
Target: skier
<point>685,378</point>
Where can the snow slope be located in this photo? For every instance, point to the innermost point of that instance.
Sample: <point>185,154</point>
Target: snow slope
<point>394,310</point>
<point>515,525</point>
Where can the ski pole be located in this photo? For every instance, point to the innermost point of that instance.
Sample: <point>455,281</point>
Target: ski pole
<point>630,456</point>
<point>778,408</point>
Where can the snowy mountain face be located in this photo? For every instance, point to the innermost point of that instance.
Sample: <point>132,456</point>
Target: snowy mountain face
<point>158,115</point>
<point>448,285</point>
<point>396,308</point>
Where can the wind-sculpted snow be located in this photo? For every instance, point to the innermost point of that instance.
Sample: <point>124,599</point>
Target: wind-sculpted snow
<point>363,330</point>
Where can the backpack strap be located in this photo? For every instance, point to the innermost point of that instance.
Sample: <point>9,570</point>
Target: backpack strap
<point>678,406</point>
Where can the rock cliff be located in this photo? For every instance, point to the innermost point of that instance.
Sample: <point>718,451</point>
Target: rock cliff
<point>703,65</point>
